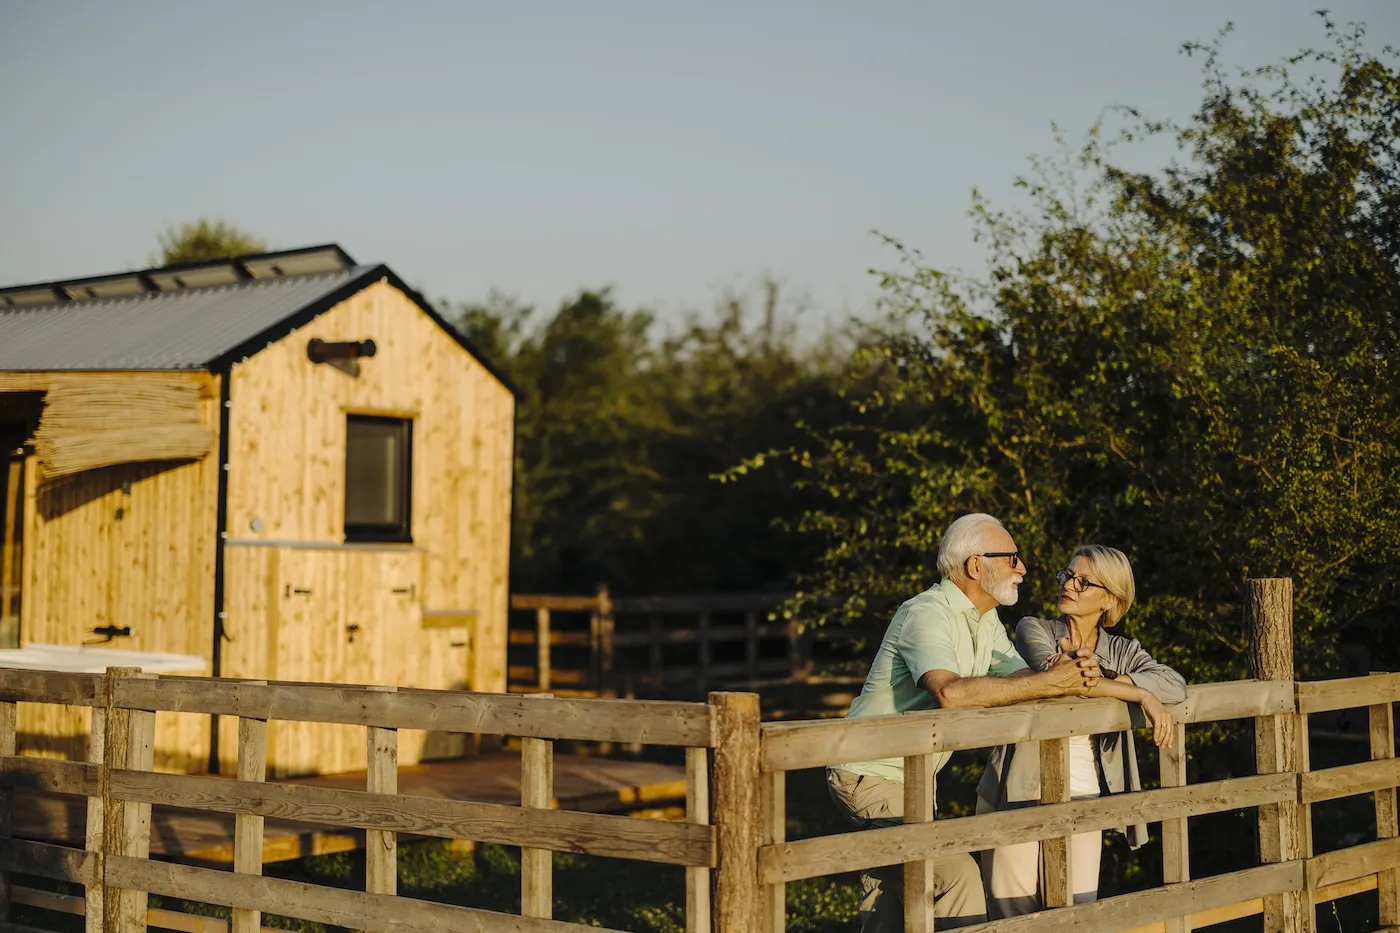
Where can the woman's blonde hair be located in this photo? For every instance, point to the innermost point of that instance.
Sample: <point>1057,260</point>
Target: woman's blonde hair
<point>1112,570</point>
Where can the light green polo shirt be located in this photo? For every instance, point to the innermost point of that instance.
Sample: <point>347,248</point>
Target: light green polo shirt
<point>937,630</point>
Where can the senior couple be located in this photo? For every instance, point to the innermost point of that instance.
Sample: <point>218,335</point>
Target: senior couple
<point>947,648</point>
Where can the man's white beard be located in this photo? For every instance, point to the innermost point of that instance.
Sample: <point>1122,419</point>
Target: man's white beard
<point>1002,589</point>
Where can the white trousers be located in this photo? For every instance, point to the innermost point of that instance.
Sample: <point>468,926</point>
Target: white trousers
<point>1011,874</point>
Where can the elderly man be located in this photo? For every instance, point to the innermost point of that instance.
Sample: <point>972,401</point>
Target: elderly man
<point>945,648</point>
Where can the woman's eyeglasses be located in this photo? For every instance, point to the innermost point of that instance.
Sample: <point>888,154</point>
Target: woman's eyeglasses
<point>1070,580</point>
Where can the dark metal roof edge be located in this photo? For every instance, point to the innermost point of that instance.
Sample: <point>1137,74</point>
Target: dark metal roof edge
<point>254,257</point>
<point>53,284</point>
<point>308,313</point>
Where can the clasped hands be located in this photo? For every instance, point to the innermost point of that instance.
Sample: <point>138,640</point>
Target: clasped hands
<point>1076,670</point>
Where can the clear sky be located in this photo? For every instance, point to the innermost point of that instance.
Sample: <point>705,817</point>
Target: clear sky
<point>669,150</point>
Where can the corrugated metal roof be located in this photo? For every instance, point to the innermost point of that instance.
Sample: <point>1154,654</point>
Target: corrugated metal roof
<point>185,329</point>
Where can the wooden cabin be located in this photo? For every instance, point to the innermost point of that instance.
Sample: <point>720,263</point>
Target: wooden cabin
<point>284,466</point>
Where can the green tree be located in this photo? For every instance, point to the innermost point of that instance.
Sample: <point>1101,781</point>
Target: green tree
<point>205,239</point>
<point>1196,365</point>
<point>620,429</point>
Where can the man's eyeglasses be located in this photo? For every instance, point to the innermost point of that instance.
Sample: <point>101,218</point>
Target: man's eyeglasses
<point>1014,555</point>
<point>1078,584</point>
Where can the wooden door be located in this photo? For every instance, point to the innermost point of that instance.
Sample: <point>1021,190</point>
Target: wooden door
<point>385,615</point>
<point>307,630</point>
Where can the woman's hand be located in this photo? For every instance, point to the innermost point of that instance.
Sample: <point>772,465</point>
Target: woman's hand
<point>1163,728</point>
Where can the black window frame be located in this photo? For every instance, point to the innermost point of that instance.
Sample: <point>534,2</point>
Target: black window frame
<point>400,532</point>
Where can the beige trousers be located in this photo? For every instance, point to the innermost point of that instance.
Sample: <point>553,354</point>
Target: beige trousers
<point>872,802</point>
<point>1012,873</point>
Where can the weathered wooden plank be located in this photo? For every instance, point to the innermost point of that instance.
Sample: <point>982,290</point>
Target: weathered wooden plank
<point>1354,862</point>
<point>827,855</point>
<point>792,746</point>
<point>918,875</point>
<point>1320,696</point>
<point>356,910</point>
<point>159,917</point>
<point>96,809</point>
<point>653,722</point>
<point>1348,780</point>
<point>382,778</point>
<point>773,803</point>
<point>553,602</point>
<point>1382,734</point>
<point>1240,699</point>
<point>126,831</point>
<point>1176,849</point>
<point>9,727</point>
<point>24,686</point>
<point>558,830</point>
<point>738,813</point>
<point>1054,851</point>
<point>248,827</point>
<point>46,860</point>
<point>697,812</point>
<point>50,775</point>
<point>1113,914</point>
<point>536,791</point>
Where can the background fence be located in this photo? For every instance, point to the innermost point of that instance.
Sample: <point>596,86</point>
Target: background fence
<point>681,647</point>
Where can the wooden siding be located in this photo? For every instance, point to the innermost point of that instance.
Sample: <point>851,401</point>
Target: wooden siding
<point>293,586</point>
<point>126,545</point>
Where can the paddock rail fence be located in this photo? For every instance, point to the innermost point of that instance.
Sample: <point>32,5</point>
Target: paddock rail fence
<point>732,843</point>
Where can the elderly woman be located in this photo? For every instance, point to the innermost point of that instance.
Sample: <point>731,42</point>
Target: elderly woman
<point>1095,593</point>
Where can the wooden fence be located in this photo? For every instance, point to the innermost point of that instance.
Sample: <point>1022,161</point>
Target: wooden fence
<point>116,872</point>
<point>665,646</point>
<point>732,843</point>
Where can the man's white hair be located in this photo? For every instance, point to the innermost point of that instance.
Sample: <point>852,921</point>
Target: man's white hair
<point>962,540</point>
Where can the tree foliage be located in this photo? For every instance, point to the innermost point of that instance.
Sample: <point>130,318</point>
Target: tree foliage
<point>621,426</point>
<point>206,239</point>
<point>1196,365</point>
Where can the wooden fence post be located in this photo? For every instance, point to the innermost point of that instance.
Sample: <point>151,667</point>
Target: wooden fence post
<point>1055,852</point>
<point>918,876</point>
<point>247,827</point>
<point>738,813</point>
<point>381,777</point>
<point>126,827</point>
<point>536,790</point>
<point>1387,825</point>
<point>1282,838</point>
<point>9,726</point>
<point>697,810</point>
<point>542,646</point>
<point>96,808</point>
<point>1176,848</point>
<point>773,800</point>
<point>603,641</point>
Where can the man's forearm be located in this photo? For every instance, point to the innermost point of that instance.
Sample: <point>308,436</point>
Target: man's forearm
<point>998,691</point>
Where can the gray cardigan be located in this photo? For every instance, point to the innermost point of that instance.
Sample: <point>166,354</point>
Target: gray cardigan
<point>1013,780</point>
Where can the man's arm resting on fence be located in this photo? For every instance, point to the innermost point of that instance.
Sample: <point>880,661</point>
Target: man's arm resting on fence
<point>1072,676</point>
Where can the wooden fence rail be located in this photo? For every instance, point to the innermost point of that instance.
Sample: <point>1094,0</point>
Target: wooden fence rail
<point>732,844</point>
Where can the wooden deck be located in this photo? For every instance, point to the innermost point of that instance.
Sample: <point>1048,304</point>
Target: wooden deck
<point>594,784</point>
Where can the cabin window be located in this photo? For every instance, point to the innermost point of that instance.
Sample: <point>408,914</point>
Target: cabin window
<point>378,471</point>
